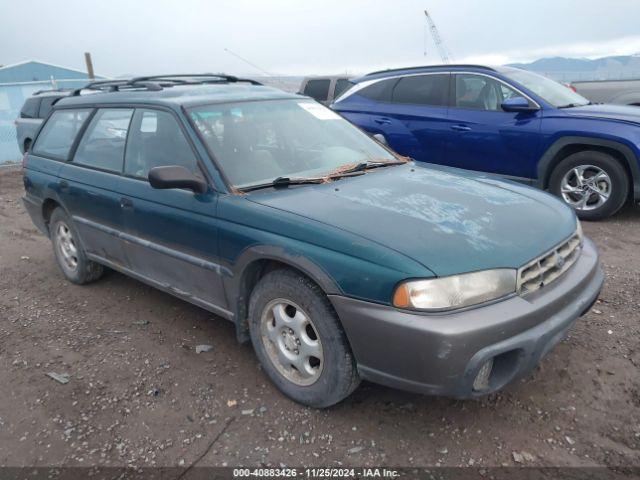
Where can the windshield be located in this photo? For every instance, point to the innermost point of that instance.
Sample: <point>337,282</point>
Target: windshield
<point>257,142</point>
<point>552,92</point>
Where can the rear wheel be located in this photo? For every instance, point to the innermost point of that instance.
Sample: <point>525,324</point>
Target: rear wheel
<point>299,341</point>
<point>70,255</point>
<point>593,183</point>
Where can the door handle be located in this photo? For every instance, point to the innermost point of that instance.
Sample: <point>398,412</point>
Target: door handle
<point>382,121</point>
<point>126,203</point>
<point>461,128</point>
<point>64,185</point>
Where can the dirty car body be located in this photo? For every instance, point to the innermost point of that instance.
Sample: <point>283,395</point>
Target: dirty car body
<point>375,238</point>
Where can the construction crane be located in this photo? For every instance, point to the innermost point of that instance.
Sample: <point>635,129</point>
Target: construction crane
<point>442,50</point>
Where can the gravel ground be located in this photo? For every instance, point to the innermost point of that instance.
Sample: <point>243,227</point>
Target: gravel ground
<point>139,395</point>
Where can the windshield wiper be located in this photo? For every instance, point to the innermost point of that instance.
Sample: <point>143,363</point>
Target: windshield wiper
<point>283,182</point>
<point>573,105</point>
<point>361,166</point>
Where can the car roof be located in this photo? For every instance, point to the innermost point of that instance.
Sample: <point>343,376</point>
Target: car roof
<point>179,95</point>
<point>395,72</point>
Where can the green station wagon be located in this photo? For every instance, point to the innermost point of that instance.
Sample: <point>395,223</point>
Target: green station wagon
<point>338,259</point>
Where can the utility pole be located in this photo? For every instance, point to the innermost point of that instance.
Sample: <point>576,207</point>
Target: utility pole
<point>442,50</point>
<point>87,60</point>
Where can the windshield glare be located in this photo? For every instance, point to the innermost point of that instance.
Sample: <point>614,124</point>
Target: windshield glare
<point>552,92</point>
<point>256,142</point>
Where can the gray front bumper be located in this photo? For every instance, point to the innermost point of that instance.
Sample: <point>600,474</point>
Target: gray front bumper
<point>441,354</point>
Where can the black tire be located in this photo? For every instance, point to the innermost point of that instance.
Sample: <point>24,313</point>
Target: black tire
<point>85,270</point>
<point>338,376</point>
<point>619,181</point>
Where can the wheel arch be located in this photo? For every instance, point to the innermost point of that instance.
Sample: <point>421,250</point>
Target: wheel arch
<point>566,146</point>
<point>254,264</point>
<point>48,206</point>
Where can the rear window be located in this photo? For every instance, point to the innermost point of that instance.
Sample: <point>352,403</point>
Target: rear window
<point>59,132</point>
<point>102,146</point>
<point>30,108</point>
<point>422,90</point>
<point>318,89</point>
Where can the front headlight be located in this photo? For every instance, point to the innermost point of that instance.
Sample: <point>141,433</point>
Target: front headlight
<point>456,291</point>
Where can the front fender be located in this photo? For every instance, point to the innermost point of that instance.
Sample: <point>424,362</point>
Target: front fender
<point>548,160</point>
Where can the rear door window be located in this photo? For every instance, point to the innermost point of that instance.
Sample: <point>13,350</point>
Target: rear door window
<point>318,89</point>
<point>59,133</point>
<point>30,108</point>
<point>102,145</point>
<point>422,90</point>
<point>156,140</point>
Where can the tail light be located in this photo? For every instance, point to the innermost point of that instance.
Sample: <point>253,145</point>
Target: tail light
<point>571,87</point>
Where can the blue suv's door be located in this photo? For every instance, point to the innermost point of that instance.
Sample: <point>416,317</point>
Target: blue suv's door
<point>411,113</point>
<point>486,138</point>
<point>172,235</point>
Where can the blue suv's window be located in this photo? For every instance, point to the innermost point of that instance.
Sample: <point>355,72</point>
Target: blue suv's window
<point>422,90</point>
<point>156,140</point>
<point>380,90</point>
<point>59,133</point>
<point>102,145</point>
<point>481,92</point>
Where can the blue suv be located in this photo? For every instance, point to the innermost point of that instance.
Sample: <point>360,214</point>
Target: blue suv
<point>505,121</point>
<point>337,258</point>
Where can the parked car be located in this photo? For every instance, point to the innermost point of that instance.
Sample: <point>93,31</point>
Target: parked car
<point>509,122</point>
<point>337,258</point>
<point>325,89</point>
<point>35,109</point>
<point>619,92</point>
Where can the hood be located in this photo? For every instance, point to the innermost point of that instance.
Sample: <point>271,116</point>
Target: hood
<point>623,113</point>
<point>448,222</point>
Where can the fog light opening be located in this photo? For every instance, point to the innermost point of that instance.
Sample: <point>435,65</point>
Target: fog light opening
<point>482,378</point>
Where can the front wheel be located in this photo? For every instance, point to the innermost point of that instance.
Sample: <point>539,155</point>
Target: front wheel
<point>593,183</point>
<point>299,341</point>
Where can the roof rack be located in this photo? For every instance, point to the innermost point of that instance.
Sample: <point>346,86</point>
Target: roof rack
<point>159,82</point>
<point>459,65</point>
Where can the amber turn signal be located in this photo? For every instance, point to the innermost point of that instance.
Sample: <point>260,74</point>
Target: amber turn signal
<point>401,297</point>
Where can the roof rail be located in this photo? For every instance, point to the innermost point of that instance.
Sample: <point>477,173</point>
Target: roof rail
<point>159,82</point>
<point>47,90</point>
<point>427,67</point>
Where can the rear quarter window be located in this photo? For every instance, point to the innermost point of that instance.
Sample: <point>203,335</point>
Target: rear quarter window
<point>379,91</point>
<point>59,133</point>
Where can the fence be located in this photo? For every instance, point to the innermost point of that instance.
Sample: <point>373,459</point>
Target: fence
<point>12,97</point>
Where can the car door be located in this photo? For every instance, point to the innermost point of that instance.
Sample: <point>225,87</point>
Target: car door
<point>171,235</point>
<point>87,184</point>
<point>486,138</point>
<point>414,121</point>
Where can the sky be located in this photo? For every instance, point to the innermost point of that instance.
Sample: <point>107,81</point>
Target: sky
<point>286,37</point>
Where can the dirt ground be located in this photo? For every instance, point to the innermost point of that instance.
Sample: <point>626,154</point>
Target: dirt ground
<point>140,395</point>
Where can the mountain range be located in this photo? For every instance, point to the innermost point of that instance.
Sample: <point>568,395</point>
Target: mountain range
<point>571,69</point>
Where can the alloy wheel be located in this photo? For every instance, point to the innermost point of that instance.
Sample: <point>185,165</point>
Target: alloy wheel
<point>66,246</point>
<point>586,187</point>
<point>292,342</point>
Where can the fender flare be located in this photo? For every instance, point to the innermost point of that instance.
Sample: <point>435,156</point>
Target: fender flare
<point>546,163</point>
<point>234,284</point>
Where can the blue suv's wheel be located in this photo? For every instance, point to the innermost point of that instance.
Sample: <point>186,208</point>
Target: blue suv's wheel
<point>593,183</point>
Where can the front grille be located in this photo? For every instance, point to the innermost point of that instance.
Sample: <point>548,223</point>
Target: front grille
<point>548,267</point>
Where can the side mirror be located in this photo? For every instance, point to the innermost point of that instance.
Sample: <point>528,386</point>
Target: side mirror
<point>518,104</point>
<point>175,176</point>
<point>380,138</point>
